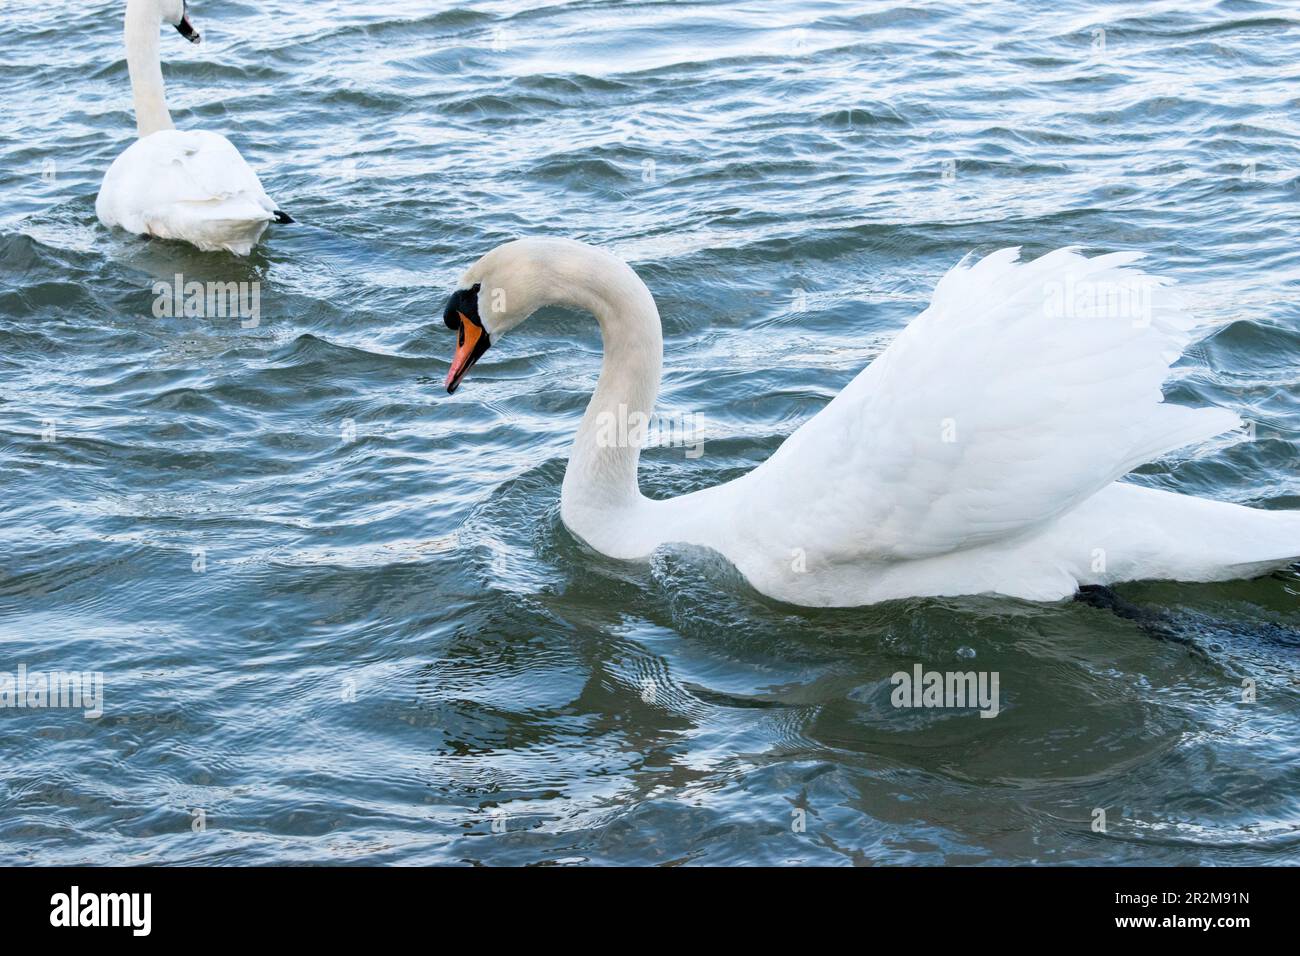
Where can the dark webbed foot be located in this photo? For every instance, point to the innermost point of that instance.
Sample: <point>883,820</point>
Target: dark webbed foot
<point>1153,623</point>
<point>1100,596</point>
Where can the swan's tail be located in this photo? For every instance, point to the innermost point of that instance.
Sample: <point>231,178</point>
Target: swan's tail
<point>231,224</point>
<point>1142,533</point>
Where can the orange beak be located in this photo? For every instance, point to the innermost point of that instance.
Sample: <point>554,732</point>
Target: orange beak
<point>472,343</point>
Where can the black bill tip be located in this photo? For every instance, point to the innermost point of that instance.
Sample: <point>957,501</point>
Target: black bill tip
<point>186,29</point>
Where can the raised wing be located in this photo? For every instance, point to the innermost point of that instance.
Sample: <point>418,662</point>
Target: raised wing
<point>1021,391</point>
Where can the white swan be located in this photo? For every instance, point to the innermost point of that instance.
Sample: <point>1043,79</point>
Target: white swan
<point>979,453</point>
<point>189,185</point>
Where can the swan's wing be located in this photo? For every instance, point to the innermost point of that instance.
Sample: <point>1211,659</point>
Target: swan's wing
<point>1021,391</point>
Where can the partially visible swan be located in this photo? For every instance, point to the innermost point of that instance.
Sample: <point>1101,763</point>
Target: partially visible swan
<point>189,185</point>
<point>978,453</point>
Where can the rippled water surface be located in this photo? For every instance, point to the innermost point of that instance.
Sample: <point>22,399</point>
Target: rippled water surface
<point>335,609</point>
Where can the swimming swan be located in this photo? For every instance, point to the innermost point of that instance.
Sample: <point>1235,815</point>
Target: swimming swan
<point>979,453</point>
<point>192,185</point>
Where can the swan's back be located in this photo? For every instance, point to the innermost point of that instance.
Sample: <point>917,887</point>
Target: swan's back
<point>189,185</point>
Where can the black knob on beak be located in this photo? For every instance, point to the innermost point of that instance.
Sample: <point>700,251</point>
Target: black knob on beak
<point>462,302</point>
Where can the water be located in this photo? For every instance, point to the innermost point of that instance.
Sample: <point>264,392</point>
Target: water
<point>335,610</point>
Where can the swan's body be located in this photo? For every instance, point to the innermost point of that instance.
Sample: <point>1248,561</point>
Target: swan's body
<point>190,185</point>
<point>193,185</point>
<point>979,453</point>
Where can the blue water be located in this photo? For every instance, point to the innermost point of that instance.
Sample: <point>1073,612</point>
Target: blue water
<point>336,614</point>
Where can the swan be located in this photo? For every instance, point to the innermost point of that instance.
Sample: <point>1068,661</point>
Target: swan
<point>190,185</point>
<point>979,453</point>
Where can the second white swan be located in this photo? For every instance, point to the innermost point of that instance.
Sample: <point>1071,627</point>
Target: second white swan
<point>191,185</point>
<point>979,453</point>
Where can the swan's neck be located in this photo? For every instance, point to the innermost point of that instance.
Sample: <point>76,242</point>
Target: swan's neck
<point>143,19</point>
<point>601,477</point>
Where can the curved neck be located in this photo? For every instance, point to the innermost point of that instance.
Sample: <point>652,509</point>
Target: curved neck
<point>601,475</point>
<point>143,19</point>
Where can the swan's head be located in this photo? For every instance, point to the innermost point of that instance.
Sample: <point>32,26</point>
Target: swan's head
<point>174,12</point>
<point>494,295</point>
<point>462,316</point>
